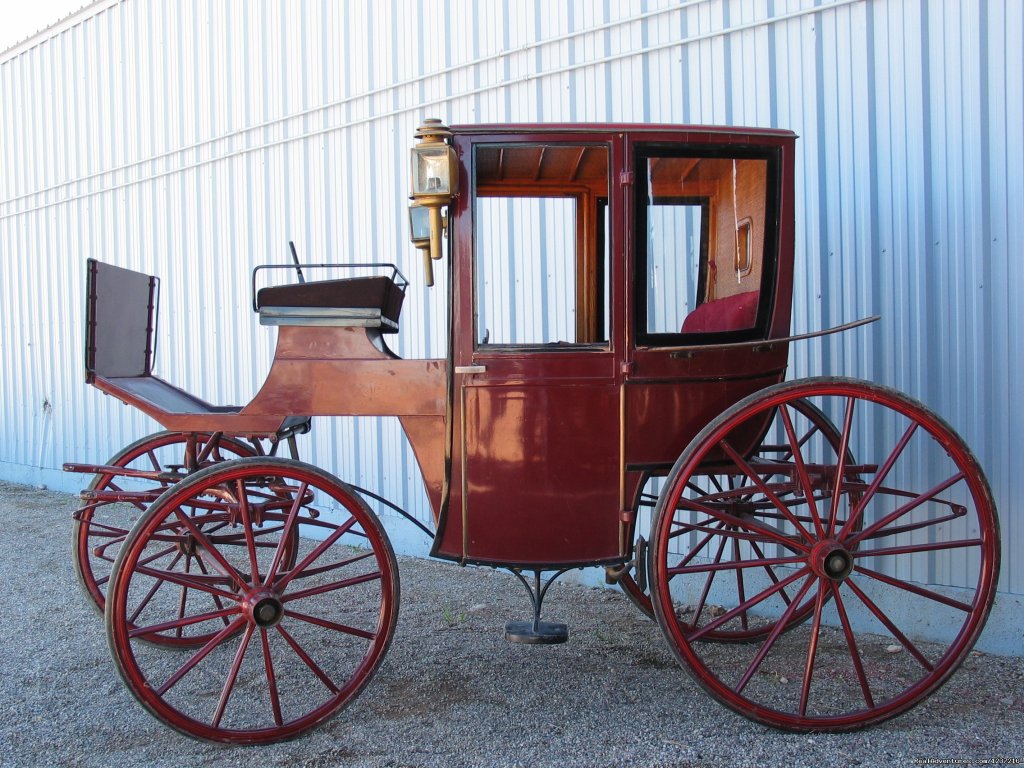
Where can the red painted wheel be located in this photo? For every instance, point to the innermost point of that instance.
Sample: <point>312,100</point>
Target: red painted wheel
<point>723,485</point>
<point>101,526</point>
<point>287,646</point>
<point>913,512</point>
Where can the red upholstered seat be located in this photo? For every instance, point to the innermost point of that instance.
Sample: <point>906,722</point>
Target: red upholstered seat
<point>731,313</point>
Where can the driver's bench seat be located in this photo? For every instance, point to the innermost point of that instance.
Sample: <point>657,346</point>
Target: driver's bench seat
<point>373,302</point>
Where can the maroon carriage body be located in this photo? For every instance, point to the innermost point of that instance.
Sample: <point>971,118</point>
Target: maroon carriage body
<point>552,439</point>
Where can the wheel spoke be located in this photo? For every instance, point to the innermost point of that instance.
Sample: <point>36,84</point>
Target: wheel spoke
<point>877,482</point>
<point>162,553</point>
<point>851,642</point>
<point>308,661</point>
<point>736,565</point>
<point>912,548</point>
<point>258,534</point>
<point>713,527</point>
<point>707,585</point>
<point>216,598</point>
<point>910,506</point>
<point>334,585</point>
<point>769,642</point>
<point>152,591</point>
<point>184,595</point>
<point>763,487</point>
<point>688,527</point>
<point>747,523</point>
<point>888,624</point>
<point>770,572</point>
<point>192,581</point>
<point>812,650</point>
<point>182,622</point>
<point>250,544</point>
<point>268,667</point>
<point>740,593</point>
<point>801,470</point>
<point>99,530</point>
<point>201,539</point>
<point>700,546</point>
<point>916,590</point>
<point>758,598</point>
<point>844,447</point>
<point>201,654</point>
<point>332,625</point>
<point>286,534</point>
<point>229,684</point>
<point>318,550</point>
<point>308,572</point>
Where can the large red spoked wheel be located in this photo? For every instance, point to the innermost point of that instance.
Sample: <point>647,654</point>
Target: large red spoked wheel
<point>725,486</point>
<point>288,644</point>
<point>868,555</point>
<point>101,526</point>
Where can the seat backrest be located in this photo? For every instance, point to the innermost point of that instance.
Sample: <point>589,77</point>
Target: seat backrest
<point>120,322</point>
<point>730,313</point>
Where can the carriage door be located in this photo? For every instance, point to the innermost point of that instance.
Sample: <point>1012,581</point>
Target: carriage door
<point>705,254</point>
<point>535,376</point>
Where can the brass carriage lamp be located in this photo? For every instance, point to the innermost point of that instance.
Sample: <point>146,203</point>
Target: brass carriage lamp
<point>435,180</point>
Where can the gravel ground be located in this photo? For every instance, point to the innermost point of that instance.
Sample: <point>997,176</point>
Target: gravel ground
<point>452,691</point>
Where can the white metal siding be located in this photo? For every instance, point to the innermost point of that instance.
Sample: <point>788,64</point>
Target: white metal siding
<point>194,139</point>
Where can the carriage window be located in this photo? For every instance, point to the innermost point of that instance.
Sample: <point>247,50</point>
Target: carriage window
<point>541,260</point>
<point>701,246</point>
<point>526,270</point>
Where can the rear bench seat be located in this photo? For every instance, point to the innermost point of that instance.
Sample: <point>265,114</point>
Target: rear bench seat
<point>730,313</point>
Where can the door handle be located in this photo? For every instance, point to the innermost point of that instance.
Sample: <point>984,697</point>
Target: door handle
<point>470,369</point>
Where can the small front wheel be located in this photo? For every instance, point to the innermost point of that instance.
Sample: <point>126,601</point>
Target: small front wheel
<point>891,558</point>
<point>289,637</point>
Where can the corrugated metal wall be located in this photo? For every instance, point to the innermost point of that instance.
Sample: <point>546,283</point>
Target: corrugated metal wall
<point>194,139</point>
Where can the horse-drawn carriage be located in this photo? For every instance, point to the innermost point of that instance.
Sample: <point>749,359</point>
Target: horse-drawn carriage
<point>820,554</point>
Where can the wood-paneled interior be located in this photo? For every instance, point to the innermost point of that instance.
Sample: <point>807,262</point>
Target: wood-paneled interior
<point>736,193</point>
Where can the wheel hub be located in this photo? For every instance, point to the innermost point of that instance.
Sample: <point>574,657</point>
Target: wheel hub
<point>263,608</point>
<point>187,545</point>
<point>831,560</point>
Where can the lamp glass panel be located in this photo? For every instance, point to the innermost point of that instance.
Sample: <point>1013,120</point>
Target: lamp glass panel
<point>419,223</point>
<point>431,174</point>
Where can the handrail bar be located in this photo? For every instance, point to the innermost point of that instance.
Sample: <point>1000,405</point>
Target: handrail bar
<point>766,345</point>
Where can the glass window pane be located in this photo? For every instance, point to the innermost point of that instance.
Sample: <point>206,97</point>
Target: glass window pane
<point>525,270</point>
<point>676,235</point>
<point>704,245</point>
